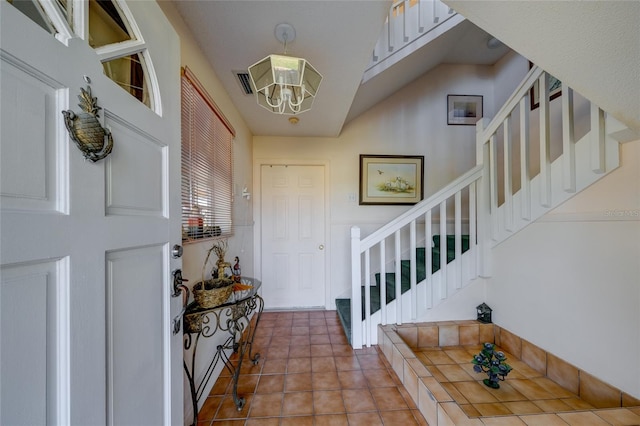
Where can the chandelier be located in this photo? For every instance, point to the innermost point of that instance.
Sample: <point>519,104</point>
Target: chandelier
<point>284,84</point>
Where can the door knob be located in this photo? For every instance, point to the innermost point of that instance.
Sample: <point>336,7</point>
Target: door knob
<point>321,246</point>
<point>176,251</point>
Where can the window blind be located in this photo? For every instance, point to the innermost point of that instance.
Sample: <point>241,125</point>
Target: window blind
<point>207,165</point>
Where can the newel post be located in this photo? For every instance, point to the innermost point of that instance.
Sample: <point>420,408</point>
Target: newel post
<point>356,291</point>
<point>483,210</point>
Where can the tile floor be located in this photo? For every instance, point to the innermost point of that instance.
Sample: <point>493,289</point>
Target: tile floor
<point>308,374</point>
<point>525,391</point>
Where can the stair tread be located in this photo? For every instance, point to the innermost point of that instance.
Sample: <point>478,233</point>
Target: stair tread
<point>344,305</point>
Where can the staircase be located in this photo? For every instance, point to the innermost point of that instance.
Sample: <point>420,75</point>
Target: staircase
<point>544,165</point>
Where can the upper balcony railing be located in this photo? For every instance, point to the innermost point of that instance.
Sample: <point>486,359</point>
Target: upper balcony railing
<point>410,25</point>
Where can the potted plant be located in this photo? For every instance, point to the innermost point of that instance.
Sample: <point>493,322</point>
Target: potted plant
<point>493,363</point>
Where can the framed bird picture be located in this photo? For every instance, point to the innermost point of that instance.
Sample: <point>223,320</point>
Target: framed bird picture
<point>391,179</point>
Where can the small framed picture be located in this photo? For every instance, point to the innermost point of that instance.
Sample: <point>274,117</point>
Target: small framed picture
<point>464,109</point>
<point>391,179</point>
<point>555,90</point>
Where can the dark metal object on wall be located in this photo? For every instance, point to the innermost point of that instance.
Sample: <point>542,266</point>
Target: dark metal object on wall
<point>85,130</point>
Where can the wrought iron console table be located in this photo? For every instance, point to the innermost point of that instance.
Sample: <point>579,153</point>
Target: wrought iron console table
<point>233,317</point>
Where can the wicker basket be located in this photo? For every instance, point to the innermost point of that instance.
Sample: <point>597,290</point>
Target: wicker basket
<point>213,293</point>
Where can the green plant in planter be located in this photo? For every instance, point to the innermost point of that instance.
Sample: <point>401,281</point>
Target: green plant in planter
<point>493,363</point>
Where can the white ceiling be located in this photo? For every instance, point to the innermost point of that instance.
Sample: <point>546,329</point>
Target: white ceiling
<point>594,46</point>
<point>337,37</point>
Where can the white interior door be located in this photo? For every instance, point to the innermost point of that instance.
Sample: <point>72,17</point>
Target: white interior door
<point>293,236</point>
<point>85,261</point>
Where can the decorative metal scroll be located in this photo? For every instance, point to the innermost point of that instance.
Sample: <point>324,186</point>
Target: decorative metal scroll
<point>85,130</point>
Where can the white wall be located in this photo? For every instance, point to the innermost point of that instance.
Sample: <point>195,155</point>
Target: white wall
<point>411,122</point>
<point>570,283</point>
<point>241,244</point>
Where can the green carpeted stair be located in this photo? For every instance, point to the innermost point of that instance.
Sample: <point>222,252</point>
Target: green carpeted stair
<point>343,306</point>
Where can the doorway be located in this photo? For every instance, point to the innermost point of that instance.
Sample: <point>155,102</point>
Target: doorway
<point>293,253</point>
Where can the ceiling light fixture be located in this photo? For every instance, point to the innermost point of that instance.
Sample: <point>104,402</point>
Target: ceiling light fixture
<point>284,84</point>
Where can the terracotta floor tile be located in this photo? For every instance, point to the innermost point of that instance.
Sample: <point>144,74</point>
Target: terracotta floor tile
<point>280,341</point>
<point>271,383</point>
<point>492,409</point>
<point>300,331</point>
<point>506,392</point>
<point>328,402</point>
<point>583,418</point>
<point>228,409</point>
<point>262,421</point>
<point>552,405</point>
<point>299,365</point>
<point>530,389</point>
<point>438,357</point>
<point>347,363</point>
<point>317,322</point>
<point>297,403</point>
<point>522,407</point>
<point>221,386</point>
<point>454,373</point>
<point>323,364</point>
<point>543,420</point>
<point>325,380</point>
<point>302,340</point>
<point>388,399</point>
<point>364,419</point>
<point>209,408</point>
<point>297,382</point>
<point>319,339</point>
<point>274,366</point>
<point>398,417</point>
<point>474,392</point>
<point>303,351</point>
<point>378,378</point>
<point>321,350</point>
<point>247,384</point>
<point>265,405</point>
<point>331,420</point>
<point>297,421</point>
<point>277,352</point>
<point>341,349</point>
<point>619,416</point>
<point>370,362</point>
<point>358,400</point>
<point>319,329</point>
<point>351,379</point>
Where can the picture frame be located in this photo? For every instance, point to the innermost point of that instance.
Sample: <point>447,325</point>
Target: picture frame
<point>464,110</point>
<point>391,179</point>
<point>555,90</point>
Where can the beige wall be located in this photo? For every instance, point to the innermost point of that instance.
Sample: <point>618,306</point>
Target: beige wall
<point>413,121</point>
<point>241,244</point>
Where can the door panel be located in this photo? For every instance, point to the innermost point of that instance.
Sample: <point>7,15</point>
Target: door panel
<point>28,169</point>
<point>29,307</point>
<point>293,236</point>
<point>135,173</point>
<point>134,340</point>
<point>105,317</point>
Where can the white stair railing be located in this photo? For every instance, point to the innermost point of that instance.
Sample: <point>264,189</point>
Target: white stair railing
<point>410,25</point>
<point>495,207</point>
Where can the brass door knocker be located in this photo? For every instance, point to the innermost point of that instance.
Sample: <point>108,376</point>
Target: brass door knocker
<point>85,130</point>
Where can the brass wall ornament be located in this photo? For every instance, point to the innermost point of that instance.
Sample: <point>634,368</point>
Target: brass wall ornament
<point>94,141</point>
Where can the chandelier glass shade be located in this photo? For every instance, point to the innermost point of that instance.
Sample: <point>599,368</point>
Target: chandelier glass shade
<point>284,84</point>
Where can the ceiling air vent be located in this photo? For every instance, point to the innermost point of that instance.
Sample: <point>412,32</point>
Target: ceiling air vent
<point>245,82</point>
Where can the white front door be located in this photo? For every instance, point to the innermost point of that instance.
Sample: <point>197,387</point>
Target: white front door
<point>293,236</point>
<point>85,262</point>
